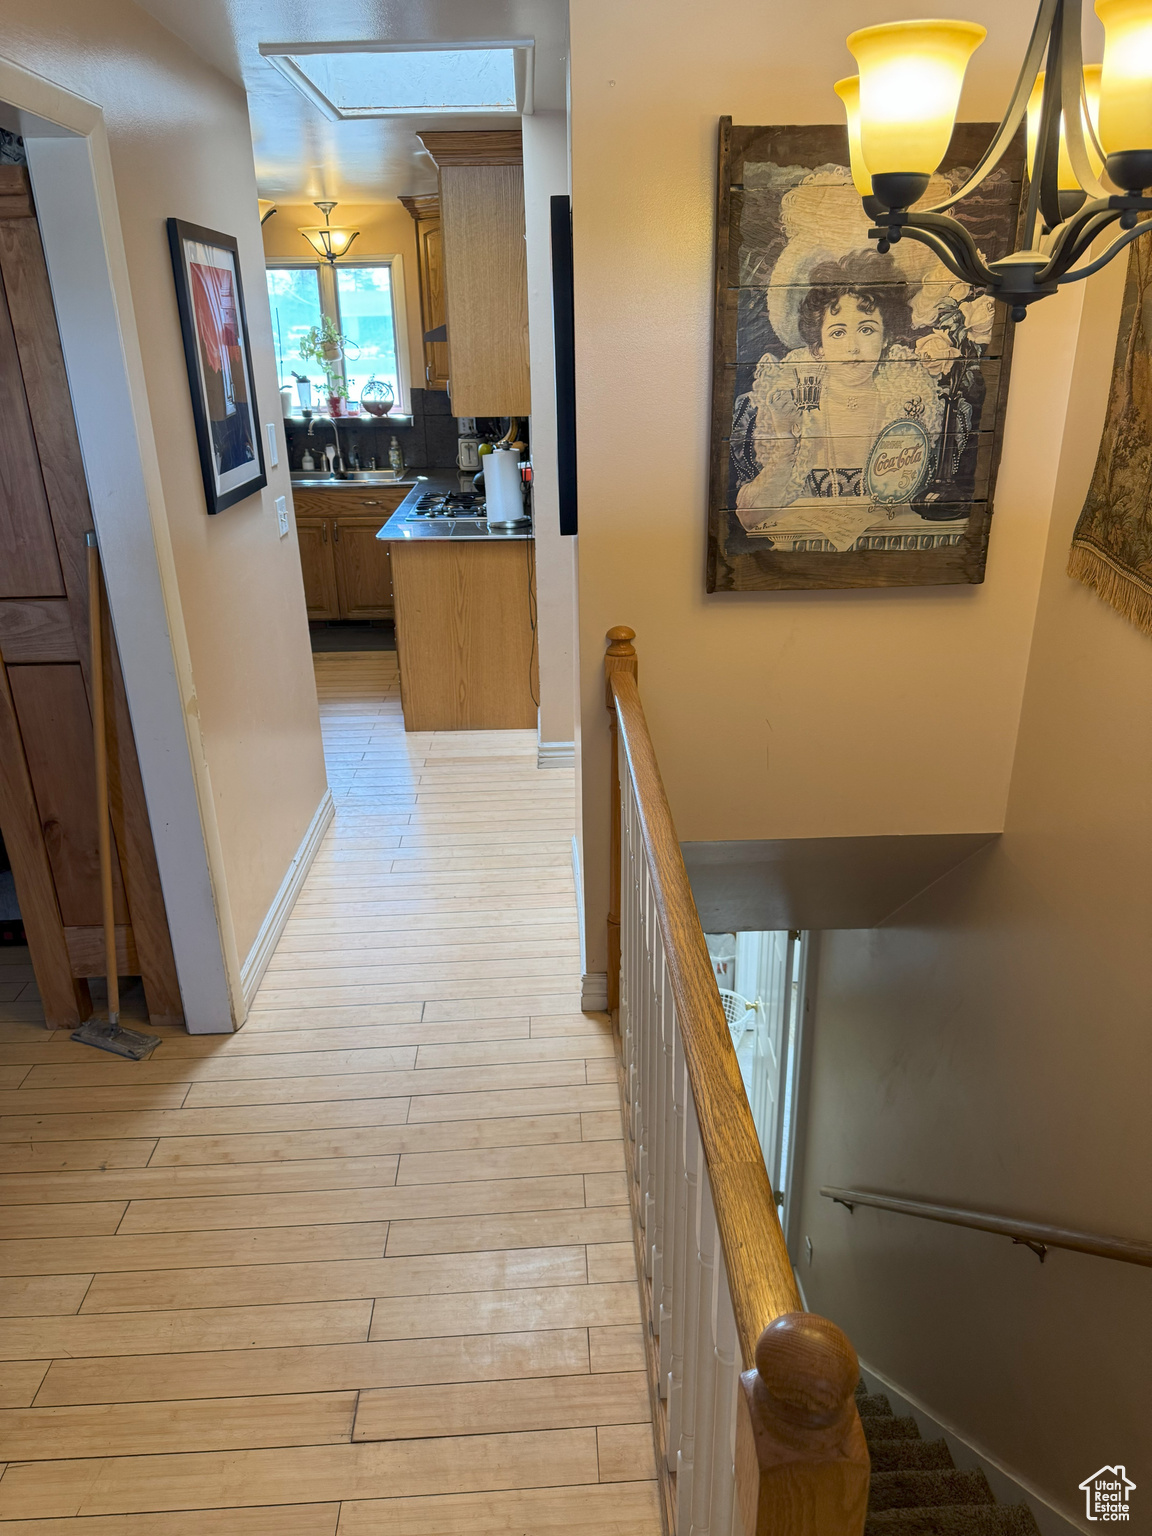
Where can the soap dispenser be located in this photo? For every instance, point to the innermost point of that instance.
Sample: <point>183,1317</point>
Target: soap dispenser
<point>396,457</point>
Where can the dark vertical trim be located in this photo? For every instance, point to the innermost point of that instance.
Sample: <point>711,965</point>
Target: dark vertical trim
<point>564,330</point>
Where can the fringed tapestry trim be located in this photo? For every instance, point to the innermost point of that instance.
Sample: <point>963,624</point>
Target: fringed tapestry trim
<point>1118,586</point>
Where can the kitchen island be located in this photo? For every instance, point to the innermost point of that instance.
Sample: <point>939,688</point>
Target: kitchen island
<point>465,608</point>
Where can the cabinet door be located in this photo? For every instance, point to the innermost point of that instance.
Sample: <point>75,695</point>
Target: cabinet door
<point>486,287</point>
<point>432,300</point>
<point>318,568</point>
<point>363,570</point>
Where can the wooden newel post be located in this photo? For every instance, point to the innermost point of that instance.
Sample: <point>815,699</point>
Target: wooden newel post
<point>801,1461</point>
<point>620,657</point>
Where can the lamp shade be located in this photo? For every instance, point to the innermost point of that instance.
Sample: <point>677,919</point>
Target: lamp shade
<point>330,241</point>
<point>1065,176</point>
<point>911,73</point>
<point>1126,81</point>
<point>848,91</point>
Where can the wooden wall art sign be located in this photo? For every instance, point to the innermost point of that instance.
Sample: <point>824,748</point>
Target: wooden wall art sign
<point>857,399</point>
<point>210,296</point>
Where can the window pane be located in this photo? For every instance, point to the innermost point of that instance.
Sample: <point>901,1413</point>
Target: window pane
<point>294,294</point>
<point>365,295</point>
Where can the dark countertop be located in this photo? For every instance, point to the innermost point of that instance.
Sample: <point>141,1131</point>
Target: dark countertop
<point>398,529</point>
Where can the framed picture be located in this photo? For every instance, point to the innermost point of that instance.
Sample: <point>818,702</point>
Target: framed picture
<point>211,300</point>
<point>858,399</point>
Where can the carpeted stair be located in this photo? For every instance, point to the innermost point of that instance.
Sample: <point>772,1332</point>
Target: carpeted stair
<point>916,1488</point>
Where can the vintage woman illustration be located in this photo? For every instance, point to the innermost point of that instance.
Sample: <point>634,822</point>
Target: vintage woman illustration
<point>809,423</point>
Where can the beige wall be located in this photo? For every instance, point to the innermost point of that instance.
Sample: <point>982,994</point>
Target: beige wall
<point>990,1046</point>
<point>386,229</point>
<point>545,176</point>
<point>179,140</point>
<point>774,714</point>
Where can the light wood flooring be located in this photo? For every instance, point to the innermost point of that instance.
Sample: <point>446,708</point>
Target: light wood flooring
<point>366,1267</point>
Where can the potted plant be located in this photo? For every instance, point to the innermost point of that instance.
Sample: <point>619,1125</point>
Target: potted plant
<point>337,392</point>
<point>323,344</point>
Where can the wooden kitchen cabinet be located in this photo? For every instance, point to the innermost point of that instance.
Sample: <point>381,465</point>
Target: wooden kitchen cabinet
<point>347,571</point>
<point>314,537</point>
<point>363,570</point>
<point>485,270</point>
<point>425,211</point>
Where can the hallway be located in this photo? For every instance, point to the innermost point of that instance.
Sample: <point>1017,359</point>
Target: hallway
<point>366,1266</point>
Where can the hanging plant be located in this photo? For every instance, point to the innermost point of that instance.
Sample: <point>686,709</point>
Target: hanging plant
<point>326,344</point>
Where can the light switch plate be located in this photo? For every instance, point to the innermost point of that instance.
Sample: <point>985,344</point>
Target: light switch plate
<point>282,515</point>
<point>273,451</point>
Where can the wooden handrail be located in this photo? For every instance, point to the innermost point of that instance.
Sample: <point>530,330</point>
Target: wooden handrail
<point>801,1462</point>
<point>1031,1234</point>
<point>755,1253</point>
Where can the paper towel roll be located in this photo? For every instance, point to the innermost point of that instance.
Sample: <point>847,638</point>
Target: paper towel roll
<point>503,496</point>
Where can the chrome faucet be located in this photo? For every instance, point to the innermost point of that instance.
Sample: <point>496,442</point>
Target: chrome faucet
<point>338,461</point>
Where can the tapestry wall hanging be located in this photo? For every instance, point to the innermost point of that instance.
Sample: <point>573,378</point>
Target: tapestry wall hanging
<point>857,398</point>
<point>1112,545</point>
<point>215,329</point>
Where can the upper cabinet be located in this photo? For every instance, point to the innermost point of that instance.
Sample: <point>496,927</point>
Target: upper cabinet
<point>425,211</point>
<point>485,270</point>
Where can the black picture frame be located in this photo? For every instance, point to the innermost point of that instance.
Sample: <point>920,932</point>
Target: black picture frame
<point>214,326</point>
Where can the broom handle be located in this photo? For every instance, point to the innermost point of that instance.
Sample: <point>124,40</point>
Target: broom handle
<point>100,743</point>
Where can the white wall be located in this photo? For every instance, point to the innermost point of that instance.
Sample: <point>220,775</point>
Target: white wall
<point>786,714</point>
<point>546,175</point>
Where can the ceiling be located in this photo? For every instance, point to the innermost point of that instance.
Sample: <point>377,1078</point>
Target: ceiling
<point>300,154</point>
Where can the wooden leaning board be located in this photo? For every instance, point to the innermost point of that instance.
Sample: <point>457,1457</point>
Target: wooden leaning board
<point>786,216</point>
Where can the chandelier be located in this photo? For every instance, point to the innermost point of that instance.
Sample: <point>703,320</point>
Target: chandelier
<point>329,242</point>
<point>901,111</point>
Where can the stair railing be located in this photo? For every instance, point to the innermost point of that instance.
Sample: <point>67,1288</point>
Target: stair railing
<point>1037,1235</point>
<point>756,1425</point>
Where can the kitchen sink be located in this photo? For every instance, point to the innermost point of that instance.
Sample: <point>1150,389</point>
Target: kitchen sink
<point>350,477</point>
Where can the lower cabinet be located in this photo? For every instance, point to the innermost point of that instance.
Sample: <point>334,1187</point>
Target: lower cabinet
<point>347,570</point>
<point>314,536</point>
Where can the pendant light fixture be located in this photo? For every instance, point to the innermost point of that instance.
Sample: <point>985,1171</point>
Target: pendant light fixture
<point>329,241</point>
<point>901,111</point>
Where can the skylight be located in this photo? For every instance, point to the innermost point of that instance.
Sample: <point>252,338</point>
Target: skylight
<point>364,80</point>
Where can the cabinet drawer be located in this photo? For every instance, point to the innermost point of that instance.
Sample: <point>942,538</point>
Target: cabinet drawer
<point>375,500</point>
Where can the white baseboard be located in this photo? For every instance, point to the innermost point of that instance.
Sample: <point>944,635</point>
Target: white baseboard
<point>555,754</point>
<point>252,971</point>
<point>594,992</point>
<point>1008,1487</point>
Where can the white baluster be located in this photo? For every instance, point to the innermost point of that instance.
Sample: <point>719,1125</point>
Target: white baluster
<point>689,1401</point>
<point>724,1412</point>
<point>680,1227</point>
<point>661,1248</point>
<point>708,1243</point>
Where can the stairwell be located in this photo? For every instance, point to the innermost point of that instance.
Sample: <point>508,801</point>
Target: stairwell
<point>916,1488</point>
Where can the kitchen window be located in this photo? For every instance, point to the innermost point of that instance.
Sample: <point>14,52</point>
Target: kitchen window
<point>364,300</point>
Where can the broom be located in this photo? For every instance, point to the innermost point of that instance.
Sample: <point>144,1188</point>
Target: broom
<point>110,1036</point>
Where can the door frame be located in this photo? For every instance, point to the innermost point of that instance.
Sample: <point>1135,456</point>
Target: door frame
<point>70,166</point>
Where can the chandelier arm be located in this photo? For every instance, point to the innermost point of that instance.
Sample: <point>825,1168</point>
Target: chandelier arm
<point>1068,251</point>
<point>1043,183</point>
<point>1102,260</point>
<point>1073,96</point>
<point>1095,216</point>
<point>959,262</point>
<point>1017,107</point>
<point>954,235</point>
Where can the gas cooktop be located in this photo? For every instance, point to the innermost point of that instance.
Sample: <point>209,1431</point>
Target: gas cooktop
<point>467,506</point>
